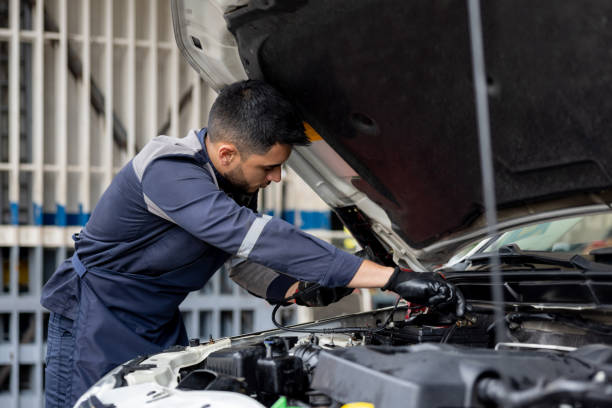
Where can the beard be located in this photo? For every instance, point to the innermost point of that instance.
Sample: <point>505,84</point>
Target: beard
<point>238,182</point>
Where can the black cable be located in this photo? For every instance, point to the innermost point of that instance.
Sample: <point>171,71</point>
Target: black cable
<point>342,330</point>
<point>393,311</point>
<point>448,334</point>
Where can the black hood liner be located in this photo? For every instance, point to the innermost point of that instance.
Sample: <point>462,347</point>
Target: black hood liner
<point>388,84</point>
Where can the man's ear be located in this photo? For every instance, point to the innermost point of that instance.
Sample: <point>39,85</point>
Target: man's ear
<point>227,154</point>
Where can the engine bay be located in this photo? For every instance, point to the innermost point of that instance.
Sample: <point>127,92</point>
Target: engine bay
<point>401,357</point>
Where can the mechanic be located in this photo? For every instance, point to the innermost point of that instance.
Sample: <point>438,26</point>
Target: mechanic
<point>173,216</point>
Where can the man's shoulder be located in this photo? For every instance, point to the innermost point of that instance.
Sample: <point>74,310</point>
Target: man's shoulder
<point>167,146</point>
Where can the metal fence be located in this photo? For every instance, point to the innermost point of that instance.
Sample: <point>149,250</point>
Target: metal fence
<point>84,84</point>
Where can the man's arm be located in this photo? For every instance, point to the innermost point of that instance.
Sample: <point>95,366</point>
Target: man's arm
<point>260,280</point>
<point>268,284</point>
<point>183,193</point>
<point>369,275</point>
<point>424,288</point>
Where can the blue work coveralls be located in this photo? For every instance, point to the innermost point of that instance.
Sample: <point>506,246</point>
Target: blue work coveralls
<point>165,224</point>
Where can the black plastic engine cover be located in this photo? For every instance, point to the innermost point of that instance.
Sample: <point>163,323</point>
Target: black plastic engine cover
<point>431,375</point>
<point>408,335</point>
<point>281,375</point>
<point>237,362</point>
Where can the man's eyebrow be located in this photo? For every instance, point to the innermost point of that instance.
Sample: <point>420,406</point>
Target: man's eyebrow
<point>272,165</point>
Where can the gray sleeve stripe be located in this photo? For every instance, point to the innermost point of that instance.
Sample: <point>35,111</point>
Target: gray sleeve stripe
<point>163,146</point>
<point>252,236</point>
<point>154,209</point>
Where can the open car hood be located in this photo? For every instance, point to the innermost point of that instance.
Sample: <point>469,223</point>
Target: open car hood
<point>388,87</point>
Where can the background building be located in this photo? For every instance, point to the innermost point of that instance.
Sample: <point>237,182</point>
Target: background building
<point>84,84</point>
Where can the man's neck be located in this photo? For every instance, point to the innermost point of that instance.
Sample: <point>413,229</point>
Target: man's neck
<point>211,152</point>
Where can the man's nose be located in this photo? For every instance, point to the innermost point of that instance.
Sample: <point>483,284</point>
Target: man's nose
<point>275,175</point>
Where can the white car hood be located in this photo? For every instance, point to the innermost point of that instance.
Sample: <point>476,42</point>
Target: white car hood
<point>403,172</point>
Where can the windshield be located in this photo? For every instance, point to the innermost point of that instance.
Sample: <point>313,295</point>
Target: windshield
<point>578,235</point>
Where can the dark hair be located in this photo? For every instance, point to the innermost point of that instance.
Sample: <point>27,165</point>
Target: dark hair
<point>255,116</point>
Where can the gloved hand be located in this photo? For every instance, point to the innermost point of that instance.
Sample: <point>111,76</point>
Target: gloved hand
<point>321,296</point>
<point>425,288</point>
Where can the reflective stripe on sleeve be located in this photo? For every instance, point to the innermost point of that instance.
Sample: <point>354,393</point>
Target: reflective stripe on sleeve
<point>252,236</point>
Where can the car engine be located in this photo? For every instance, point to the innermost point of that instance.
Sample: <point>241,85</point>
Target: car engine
<point>395,357</point>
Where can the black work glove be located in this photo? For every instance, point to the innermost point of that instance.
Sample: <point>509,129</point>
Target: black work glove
<point>306,295</point>
<point>425,288</point>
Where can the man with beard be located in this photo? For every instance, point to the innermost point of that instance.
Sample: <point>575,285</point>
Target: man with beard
<point>171,217</point>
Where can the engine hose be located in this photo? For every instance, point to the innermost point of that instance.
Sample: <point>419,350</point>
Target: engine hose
<point>494,390</point>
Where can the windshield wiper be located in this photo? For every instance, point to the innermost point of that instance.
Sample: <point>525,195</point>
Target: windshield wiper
<point>512,254</point>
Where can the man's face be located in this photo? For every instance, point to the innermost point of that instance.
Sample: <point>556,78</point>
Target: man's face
<point>258,171</point>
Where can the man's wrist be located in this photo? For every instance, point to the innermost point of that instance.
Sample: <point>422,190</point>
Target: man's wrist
<point>292,290</point>
<point>371,275</point>
<point>393,280</point>
<point>278,288</point>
